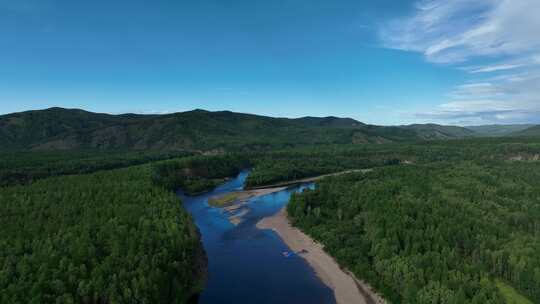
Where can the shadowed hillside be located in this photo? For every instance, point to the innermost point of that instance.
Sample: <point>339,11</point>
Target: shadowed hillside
<point>434,131</point>
<point>68,129</point>
<point>497,130</point>
<point>533,131</point>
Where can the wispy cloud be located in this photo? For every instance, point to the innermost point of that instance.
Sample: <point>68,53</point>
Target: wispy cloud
<point>494,68</point>
<point>501,34</point>
<point>454,31</point>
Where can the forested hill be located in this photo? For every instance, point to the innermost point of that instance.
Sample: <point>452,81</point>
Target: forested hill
<point>434,131</point>
<point>533,131</point>
<point>498,130</point>
<point>69,129</point>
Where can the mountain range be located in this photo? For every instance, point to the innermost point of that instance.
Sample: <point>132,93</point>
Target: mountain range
<point>499,130</point>
<point>70,129</point>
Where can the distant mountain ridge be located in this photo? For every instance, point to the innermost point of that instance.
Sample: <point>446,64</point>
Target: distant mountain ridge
<point>59,128</point>
<point>498,130</point>
<point>330,121</point>
<point>434,131</point>
<point>532,131</point>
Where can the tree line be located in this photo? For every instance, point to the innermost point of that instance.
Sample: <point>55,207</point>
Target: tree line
<point>199,173</point>
<point>435,233</point>
<point>26,167</point>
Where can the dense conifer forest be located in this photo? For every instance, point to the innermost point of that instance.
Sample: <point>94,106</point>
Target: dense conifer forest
<point>199,173</point>
<point>25,167</point>
<point>107,237</point>
<point>437,233</point>
<point>433,222</point>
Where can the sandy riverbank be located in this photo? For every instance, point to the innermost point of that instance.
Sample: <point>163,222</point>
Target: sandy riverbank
<point>249,194</point>
<point>308,179</point>
<point>231,200</point>
<point>347,289</point>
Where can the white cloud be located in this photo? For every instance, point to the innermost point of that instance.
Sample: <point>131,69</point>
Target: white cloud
<point>508,100</point>
<point>501,34</point>
<point>454,31</point>
<point>495,68</point>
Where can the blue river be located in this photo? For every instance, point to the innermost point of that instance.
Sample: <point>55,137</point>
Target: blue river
<point>246,264</point>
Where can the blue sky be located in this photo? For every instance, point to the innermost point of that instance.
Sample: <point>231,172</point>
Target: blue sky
<point>383,62</point>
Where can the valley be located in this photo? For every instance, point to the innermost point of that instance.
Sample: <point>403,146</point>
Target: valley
<point>270,152</point>
<point>406,221</point>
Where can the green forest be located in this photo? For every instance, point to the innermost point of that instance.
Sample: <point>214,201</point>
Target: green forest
<point>106,237</point>
<point>197,174</point>
<point>444,232</point>
<point>434,222</point>
<point>25,167</point>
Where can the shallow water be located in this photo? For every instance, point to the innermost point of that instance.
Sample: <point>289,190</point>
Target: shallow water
<point>245,264</point>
